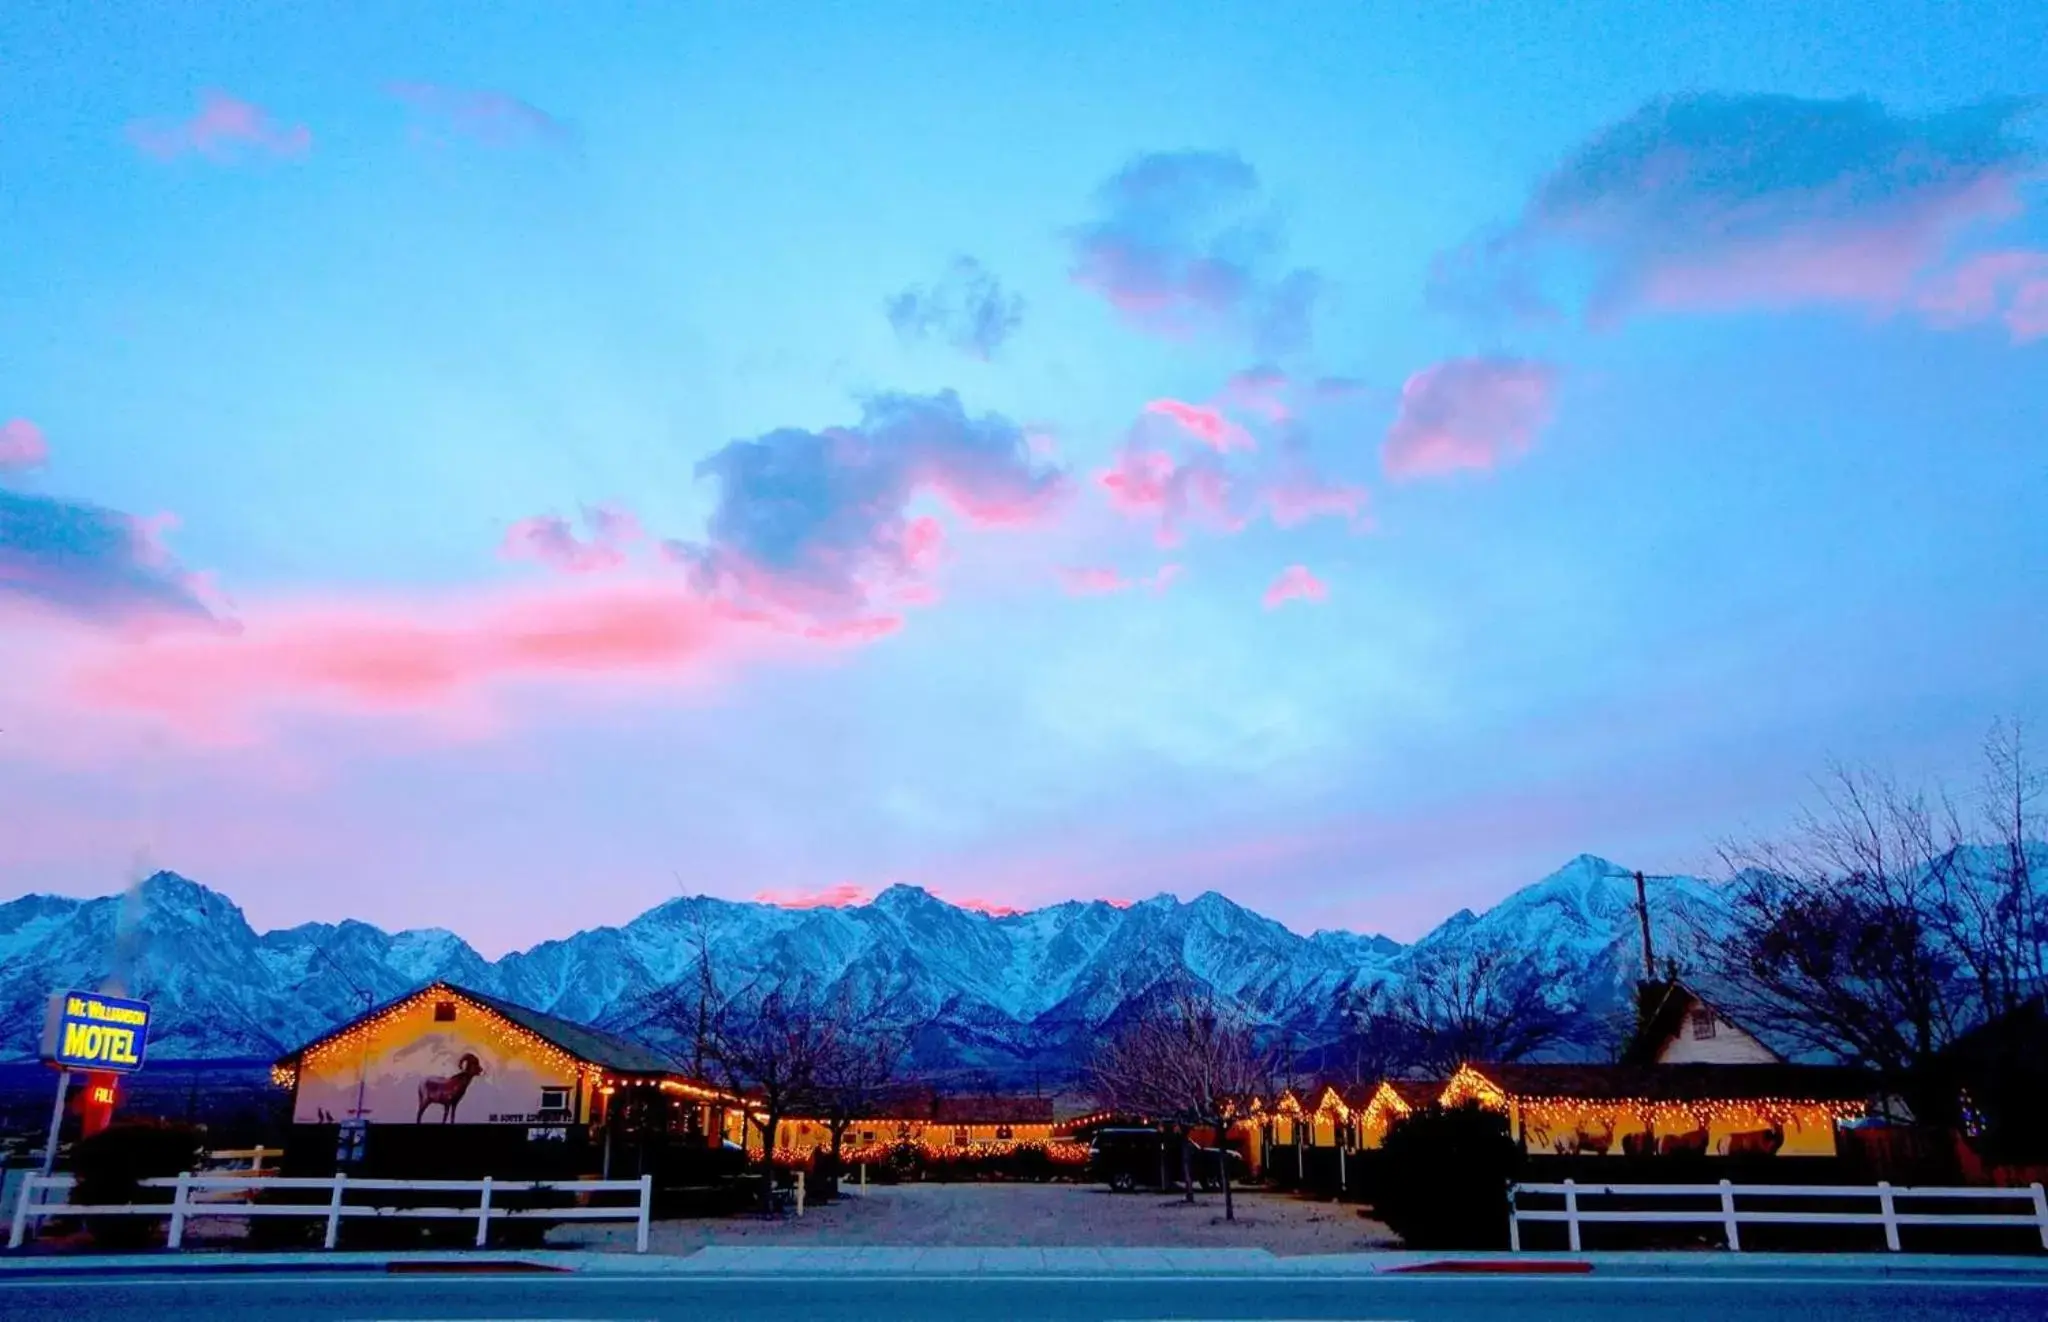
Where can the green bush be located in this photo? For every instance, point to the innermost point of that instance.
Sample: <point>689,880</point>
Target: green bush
<point>111,1165</point>
<point>1441,1180</point>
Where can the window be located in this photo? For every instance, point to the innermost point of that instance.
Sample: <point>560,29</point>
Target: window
<point>867,1135</point>
<point>444,1012</point>
<point>554,1099</point>
<point>960,1136</point>
<point>1702,1024</point>
<point>1004,1133</point>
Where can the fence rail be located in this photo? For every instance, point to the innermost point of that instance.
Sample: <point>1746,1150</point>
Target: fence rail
<point>189,1200</point>
<point>1731,1216</point>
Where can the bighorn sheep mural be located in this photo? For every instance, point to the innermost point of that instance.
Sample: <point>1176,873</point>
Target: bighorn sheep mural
<point>447,1093</point>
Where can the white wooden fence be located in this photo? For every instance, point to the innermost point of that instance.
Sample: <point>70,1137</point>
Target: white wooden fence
<point>198,1195</point>
<point>1732,1215</point>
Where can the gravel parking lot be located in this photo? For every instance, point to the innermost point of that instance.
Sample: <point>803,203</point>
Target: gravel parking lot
<point>1021,1216</point>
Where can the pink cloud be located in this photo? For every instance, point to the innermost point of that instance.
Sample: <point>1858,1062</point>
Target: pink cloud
<point>22,446</point>
<point>1150,484</point>
<point>1099,581</point>
<point>1259,390</point>
<point>550,540</point>
<point>447,658</point>
<point>1295,583</point>
<point>1303,495</point>
<point>1205,423</point>
<point>495,119</point>
<point>844,895</point>
<point>1093,581</point>
<point>222,127</point>
<point>1715,202</point>
<point>1468,413</point>
<point>993,908</point>
<point>2010,286</point>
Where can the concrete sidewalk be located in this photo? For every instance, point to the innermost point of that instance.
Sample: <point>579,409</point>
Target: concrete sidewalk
<point>1179,1263</point>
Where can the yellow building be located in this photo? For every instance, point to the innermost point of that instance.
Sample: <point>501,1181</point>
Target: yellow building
<point>1385,1105</point>
<point>445,1067</point>
<point>928,1120</point>
<point>1666,1110</point>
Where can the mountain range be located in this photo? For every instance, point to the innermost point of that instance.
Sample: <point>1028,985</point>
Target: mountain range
<point>1006,995</point>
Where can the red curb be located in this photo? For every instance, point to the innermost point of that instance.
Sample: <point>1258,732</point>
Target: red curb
<point>1499,1268</point>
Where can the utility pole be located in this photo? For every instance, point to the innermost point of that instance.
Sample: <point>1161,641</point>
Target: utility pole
<point>1643,914</point>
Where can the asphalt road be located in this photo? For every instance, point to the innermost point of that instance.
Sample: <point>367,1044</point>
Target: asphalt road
<point>363,1296</point>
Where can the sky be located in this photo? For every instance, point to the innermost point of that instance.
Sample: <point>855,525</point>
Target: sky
<point>501,466</point>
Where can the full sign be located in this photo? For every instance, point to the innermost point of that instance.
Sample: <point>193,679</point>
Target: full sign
<point>88,1031</point>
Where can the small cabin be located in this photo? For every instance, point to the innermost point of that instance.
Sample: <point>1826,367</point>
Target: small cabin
<point>1675,1025</point>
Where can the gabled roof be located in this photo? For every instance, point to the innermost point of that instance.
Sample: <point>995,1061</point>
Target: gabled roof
<point>1661,1009</point>
<point>1680,1083</point>
<point>590,1045</point>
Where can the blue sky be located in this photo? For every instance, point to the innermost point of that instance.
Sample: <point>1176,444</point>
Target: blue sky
<point>1397,450</point>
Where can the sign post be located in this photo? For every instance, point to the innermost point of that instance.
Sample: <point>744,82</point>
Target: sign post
<point>56,1121</point>
<point>89,1031</point>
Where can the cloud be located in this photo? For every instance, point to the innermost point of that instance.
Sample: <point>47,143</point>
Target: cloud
<point>445,657</point>
<point>1152,485</point>
<point>495,119</point>
<point>94,564</point>
<point>222,128</point>
<point>1468,413</point>
<point>1181,246</point>
<point>2010,286</point>
<point>1301,495</point>
<point>1295,583</point>
<point>22,446</point>
<point>818,522</point>
<point>966,308</point>
<point>1261,391</point>
<point>993,908</point>
<point>1102,581</point>
<point>1205,423</point>
<point>1721,202</point>
<point>551,540</point>
<point>844,895</point>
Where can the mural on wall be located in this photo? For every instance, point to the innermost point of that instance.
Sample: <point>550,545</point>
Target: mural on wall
<point>440,1062</point>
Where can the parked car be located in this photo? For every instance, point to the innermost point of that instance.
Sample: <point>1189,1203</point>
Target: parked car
<point>1144,1157</point>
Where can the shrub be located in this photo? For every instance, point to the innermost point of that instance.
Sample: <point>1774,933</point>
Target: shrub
<point>1441,1180</point>
<point>111,1165</point>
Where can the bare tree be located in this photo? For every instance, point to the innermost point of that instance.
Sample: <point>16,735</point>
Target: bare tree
<point>1189,1061</point>
<point>1460,1002</point>
<point>770,1044</point>
<point>856,1075</point>
<point>1875,931</point>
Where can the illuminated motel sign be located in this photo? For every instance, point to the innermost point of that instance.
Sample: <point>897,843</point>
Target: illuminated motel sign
<point>89,1031</point>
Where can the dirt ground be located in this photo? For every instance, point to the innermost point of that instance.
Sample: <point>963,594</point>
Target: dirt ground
<point>1020,1216</point>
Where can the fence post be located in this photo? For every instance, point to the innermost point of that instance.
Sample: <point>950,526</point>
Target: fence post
<point>334,1210</point>
<point>1728,1218</point>
<point>799,1194</point>
<point>176,1239</point>
<point>483,1215</point>
<point>1891,1215</point>
<point>2041,1211</point>
<point>28,1187</point>
<point>646,1207</point>
<point>256,1166</point>
<point>1571,1212</point>
<point>1514,1223</point>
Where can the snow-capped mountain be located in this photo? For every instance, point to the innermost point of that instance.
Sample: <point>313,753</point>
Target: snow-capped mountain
<point>1018,992</point>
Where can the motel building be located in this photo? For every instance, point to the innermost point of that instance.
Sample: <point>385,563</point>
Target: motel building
<point>927,1120</point>
<point>449,1082</point>
<point>1691,1082</point>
